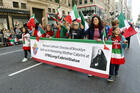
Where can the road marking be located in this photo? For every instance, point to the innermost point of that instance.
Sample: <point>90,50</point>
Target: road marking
<point>10,52</point>
<point>138,39</point>
<point>20,71</point>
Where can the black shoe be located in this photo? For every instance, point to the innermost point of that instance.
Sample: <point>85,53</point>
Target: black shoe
<point>70,70</point>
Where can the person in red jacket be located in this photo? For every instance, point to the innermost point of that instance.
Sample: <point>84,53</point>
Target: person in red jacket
<point>49,32</point>
<point>115,23</point>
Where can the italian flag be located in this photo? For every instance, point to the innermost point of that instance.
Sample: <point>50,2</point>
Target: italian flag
<point>59,12</point>
<point>116,57</point>
<point>83,21</point>
<point>104,35</point>
<point>74,13</point>
<point>51,17</point>
<point>121,20</point>
<point>40,31</point>
<point>31,23</point>
<point>11,41</point>
<point>124,25</point>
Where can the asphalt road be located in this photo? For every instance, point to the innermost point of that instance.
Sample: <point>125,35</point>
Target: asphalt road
<point>45,78</point>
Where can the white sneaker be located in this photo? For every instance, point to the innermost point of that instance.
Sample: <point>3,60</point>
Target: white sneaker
<point>24,60</point>
<point>89,75</point>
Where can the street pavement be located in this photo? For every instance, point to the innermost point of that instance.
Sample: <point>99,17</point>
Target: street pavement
<point>45,78</point>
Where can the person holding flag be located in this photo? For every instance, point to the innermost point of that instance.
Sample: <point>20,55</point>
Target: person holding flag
<point>75,31</point>
<point>61,31</point>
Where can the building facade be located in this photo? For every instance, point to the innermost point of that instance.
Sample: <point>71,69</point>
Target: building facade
<point>90,7</point>
<point>43,7</point>
<point>14,12</point>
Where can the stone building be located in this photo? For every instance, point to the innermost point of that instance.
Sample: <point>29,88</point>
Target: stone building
<point>14,12</point>
<point>90,7</point>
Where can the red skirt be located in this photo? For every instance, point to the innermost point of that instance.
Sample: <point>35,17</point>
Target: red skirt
<point>26,48</point>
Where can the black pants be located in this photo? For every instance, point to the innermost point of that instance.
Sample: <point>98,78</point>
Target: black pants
<point>128,39</point>
<point>114,68</point>
<point>5,42</point>
<point>26,53</point>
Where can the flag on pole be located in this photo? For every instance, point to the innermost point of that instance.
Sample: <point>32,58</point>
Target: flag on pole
<point>31,23</point>
<point>104,36</point>
<point>51,17</point>
<point>121,20</point>
<point>123,24</point>
<point>83,21</point>
<point>74,13</point>
<point>59,12</point>
<point>40,31</point>
<point>129,31</point>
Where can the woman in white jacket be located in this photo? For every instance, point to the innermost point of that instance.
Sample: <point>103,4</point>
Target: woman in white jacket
<point>26,43</point>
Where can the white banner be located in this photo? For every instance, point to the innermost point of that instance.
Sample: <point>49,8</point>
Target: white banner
<point>85,56</point>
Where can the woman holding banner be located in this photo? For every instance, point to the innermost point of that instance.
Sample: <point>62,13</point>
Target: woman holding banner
<point>95,31</point>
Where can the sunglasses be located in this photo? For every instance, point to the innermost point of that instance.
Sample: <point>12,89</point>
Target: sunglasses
<point>75,24</point>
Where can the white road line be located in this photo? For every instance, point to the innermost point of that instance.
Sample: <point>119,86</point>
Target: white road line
<point>138,39</point>
<point>10,52</point>
<point>20,71</point>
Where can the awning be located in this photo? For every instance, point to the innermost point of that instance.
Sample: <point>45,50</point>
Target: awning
<point>14,11</point>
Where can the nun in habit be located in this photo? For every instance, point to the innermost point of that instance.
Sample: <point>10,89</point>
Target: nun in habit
<point>99,62</point>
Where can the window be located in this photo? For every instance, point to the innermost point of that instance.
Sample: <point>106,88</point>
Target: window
<point>69,4</point>
<point>91,1</point>
<point>57,1</point>
<point>1,3</point>
<point>80,2</point>
<point>53,10</point>
<point>49,10</point>
<point>23,5</point>
<point>85,1</point>
<point>15,5</point>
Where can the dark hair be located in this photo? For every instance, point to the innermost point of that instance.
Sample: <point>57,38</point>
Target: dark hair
<point>36,26</point>
<point>113,34</point>
<point>100,23</point>
<point>26,30</point>
<point>115,22</point>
